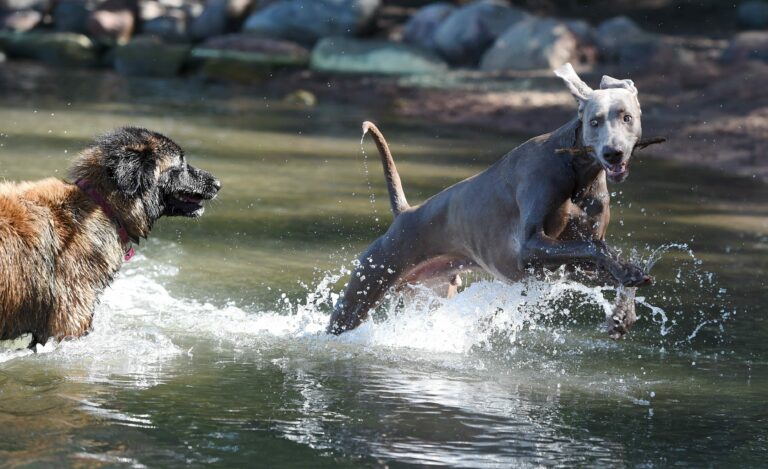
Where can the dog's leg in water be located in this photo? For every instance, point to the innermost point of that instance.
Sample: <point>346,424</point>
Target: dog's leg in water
<point>623,315</point>
<point>453,286</point>
<point>378,271</point>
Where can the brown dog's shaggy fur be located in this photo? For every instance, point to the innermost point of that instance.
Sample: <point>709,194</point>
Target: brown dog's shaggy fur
<point>59,248</point>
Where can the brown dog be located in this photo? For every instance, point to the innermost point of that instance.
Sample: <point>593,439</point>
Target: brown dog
<point>61,243</point>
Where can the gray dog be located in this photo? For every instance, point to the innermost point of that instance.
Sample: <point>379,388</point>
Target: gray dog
<point>538,207</point>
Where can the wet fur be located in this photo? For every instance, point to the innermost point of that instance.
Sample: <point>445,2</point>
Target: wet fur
<point>59,250</point>
<point>536,208</point>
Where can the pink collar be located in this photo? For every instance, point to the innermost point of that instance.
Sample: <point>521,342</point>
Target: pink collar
<point>99,200</point>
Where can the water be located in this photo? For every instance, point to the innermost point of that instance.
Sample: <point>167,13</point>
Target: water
<point>208,348</point>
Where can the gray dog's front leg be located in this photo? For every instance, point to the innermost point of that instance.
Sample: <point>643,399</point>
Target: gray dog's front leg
<point>541,250</point>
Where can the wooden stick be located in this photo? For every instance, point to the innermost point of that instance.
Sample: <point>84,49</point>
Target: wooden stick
<point>586,150</point>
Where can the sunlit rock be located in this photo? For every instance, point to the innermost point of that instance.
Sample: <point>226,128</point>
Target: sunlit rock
<point>346,55</point>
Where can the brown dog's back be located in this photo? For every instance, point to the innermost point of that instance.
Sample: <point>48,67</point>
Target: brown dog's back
<point>55,250</point>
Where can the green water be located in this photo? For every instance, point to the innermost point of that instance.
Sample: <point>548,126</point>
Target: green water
<point>205,352</point>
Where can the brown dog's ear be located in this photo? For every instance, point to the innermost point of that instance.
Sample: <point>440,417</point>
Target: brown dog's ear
<point>130,165</point>
<point>580,90</point>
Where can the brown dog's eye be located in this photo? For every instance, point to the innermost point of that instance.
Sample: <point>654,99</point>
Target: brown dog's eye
<point>593,122</point>
<point>627,118</point>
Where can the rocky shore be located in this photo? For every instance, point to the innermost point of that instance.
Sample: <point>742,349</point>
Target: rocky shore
<point>483,62</point>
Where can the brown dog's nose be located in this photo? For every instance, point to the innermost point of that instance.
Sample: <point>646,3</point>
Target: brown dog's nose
<point>612,155</point>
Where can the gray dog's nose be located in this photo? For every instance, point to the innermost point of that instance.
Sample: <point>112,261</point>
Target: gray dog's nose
<point>612,155</point>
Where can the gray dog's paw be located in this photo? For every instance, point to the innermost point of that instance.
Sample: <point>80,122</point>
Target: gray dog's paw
<point>634,276</point>
<point>623,316</point>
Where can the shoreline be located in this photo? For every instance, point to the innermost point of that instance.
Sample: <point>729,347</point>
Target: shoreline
<point>713,115</point>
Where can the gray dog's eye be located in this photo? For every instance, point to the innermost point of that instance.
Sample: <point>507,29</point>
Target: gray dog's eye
<point>627,118</point>
<point>593,122</point>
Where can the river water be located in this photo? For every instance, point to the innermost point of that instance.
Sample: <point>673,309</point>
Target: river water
<point>208,348</point>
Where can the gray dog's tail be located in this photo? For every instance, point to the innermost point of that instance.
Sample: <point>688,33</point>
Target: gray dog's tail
<point>396,195</point>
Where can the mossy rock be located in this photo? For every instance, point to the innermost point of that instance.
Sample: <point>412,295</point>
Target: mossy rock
<point>242,66</point>
<point>355,56</point>
<point>150,57</point>
<point>61,49</point>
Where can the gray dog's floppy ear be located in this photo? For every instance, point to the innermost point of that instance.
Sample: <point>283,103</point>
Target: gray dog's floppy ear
<point>578,88</point>
<point>610,82</point>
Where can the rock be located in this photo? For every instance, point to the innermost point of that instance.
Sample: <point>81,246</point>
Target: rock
<point>752,14</point>
<point>2,57</point>
<point>420,28</point>
<point>750,45</point>
<point>621,40</point>
<point>245,58</point>
<point>469,31</point>
<point>15,5</point>
<point>113,21</point>
<point>63,49</point>
<point>172,26</point>
<point>306,21</point>
<point>70,16</point>
<point>219,17</point>
<point>149,56</point>
<point>538,43</point>
<point>302,98</point>
<point>347,55</point>
<point>150,9</point>
<point>21,21</point>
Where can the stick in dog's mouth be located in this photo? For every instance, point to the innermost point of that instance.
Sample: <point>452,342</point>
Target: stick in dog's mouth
<point>587,150</point>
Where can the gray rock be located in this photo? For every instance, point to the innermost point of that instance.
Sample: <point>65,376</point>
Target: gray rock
<point>21,21</point>
<point>70,16</point>
<point>246,58</point>
<point>150,9</point>
<point>149,56</point>
<point>219,17</point>
<point>113,20</point>
<point>13,5</point>
<point>172,26</point>
<point>62,49</point>
<point>465,35</point>
<point>347,55</point>
<point>538,43</point>
<point>750,45</point>
<point>306,21</point>
<point>420,28</point>
<point>752,14</point>
<point>621,40</point>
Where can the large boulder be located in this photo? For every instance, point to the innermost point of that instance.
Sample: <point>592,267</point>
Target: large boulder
<point>14,5</point>
<point>245,58</point>
<point>752,14</point>
<point>421,27</point>
<point>307,21</point>
<point>113,21</point>
<point>171,26</point>
<point>219,17</point>
<point>150,56</point>
<point>62,49</point>
<point>70,16</point>
<point>750,45</point>
<point>347,55</point>
<point>538,43</point>
<point>465,35</point>
<point>21,21</point>
<point>621,40</point>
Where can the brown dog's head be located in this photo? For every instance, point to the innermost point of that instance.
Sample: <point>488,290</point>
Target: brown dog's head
<point>144,175</point>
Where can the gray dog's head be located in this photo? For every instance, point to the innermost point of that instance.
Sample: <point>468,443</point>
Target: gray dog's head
<point>610,120</point>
